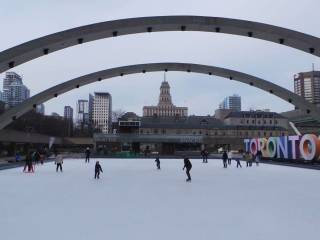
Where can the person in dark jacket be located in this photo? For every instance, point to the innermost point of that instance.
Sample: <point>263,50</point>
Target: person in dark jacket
<point>28,163</point>
<point>258,157</point>
<point>187,166</point>
<point>238,162</point>
<point>225,159</point>
<point>87,153</point>
<point>206,155</point>
<point>203,156</point>
<point>36,157</point>
<point>97,170</point>
<point>158,162</point>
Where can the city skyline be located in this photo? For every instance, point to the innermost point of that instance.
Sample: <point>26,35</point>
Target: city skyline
<point>201,94</point>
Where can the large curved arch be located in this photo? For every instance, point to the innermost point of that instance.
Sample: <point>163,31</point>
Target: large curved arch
<point>59,89</point>
<point>42,46</point>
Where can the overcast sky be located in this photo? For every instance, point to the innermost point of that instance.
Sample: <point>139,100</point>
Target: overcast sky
<point>22,21</point>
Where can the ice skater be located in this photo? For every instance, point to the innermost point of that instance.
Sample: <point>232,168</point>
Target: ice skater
<point>87,153</point>
<point>157,162</point>
<point>238,162</point>
<point>58,161</point>
<point>187,166</point>
<point>28,163</point>
<point>247,157</point>
<point>204,154</point>
<point>97,170</point>
<point>258,157</point>
<point>230,155</point>
<point>224,159</point>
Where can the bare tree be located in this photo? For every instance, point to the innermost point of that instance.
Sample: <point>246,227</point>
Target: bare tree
<point>118,113</point>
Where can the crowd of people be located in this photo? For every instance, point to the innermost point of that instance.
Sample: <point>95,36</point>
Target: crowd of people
<point>35,157</point>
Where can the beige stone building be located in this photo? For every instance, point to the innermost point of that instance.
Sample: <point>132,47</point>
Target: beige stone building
<point>165,107</point>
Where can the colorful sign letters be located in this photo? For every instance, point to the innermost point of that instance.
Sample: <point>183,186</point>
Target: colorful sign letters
<point>305,147</point>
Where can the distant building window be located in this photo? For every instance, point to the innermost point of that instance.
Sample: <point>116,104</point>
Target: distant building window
<point>252,121</point>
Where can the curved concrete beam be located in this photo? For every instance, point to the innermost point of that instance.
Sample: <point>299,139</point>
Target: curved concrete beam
<point>42,46</point>
<point>57,90</point>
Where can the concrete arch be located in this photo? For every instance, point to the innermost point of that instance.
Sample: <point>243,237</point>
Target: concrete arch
<point>45,45</point>
<point>59,89</point>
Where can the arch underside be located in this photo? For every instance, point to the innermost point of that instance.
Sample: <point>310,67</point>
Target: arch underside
<point>45,45</point>
<point>299,102</point>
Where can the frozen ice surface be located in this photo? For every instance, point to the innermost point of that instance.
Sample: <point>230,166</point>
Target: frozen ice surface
<point>134,200</point>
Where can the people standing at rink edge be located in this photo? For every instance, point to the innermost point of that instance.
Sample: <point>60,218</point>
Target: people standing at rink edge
<point>58,161</point>
<point>224,159</point>
<point>97,170</point>
<point>187,166</point>
<point>87,154</point>
<point>158,162</point>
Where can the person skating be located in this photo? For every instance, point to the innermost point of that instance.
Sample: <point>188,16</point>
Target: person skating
<point>58,161</point>
<point>187,166</point>
<point>258,157</point>
<point>224,159</point>
<point>247,157</point>
<point>206,155</point>
<point>36,157</point>
<point>203,153</point>
<point>158,162</point>
<point>230,155</point>
<point>87,153</point>
<point>238,162</point>
<point>28,165</point>
<point>97,170</point>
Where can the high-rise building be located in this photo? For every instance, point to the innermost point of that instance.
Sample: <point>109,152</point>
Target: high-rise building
<point>1,99</point>
<point>68,112</point>
<point>165,107</point>
<point>40,109</point>
<point>231,102</point>
<point>102,111</point>
<point>307,85</point>
<point>14,92</point>
<point>82,113</point>
<point>91,99</point>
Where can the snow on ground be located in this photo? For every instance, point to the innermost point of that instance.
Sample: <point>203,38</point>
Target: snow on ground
<point>133,200</point>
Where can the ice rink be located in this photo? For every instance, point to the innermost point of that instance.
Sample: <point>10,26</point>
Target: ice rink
<point>134,200</point>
